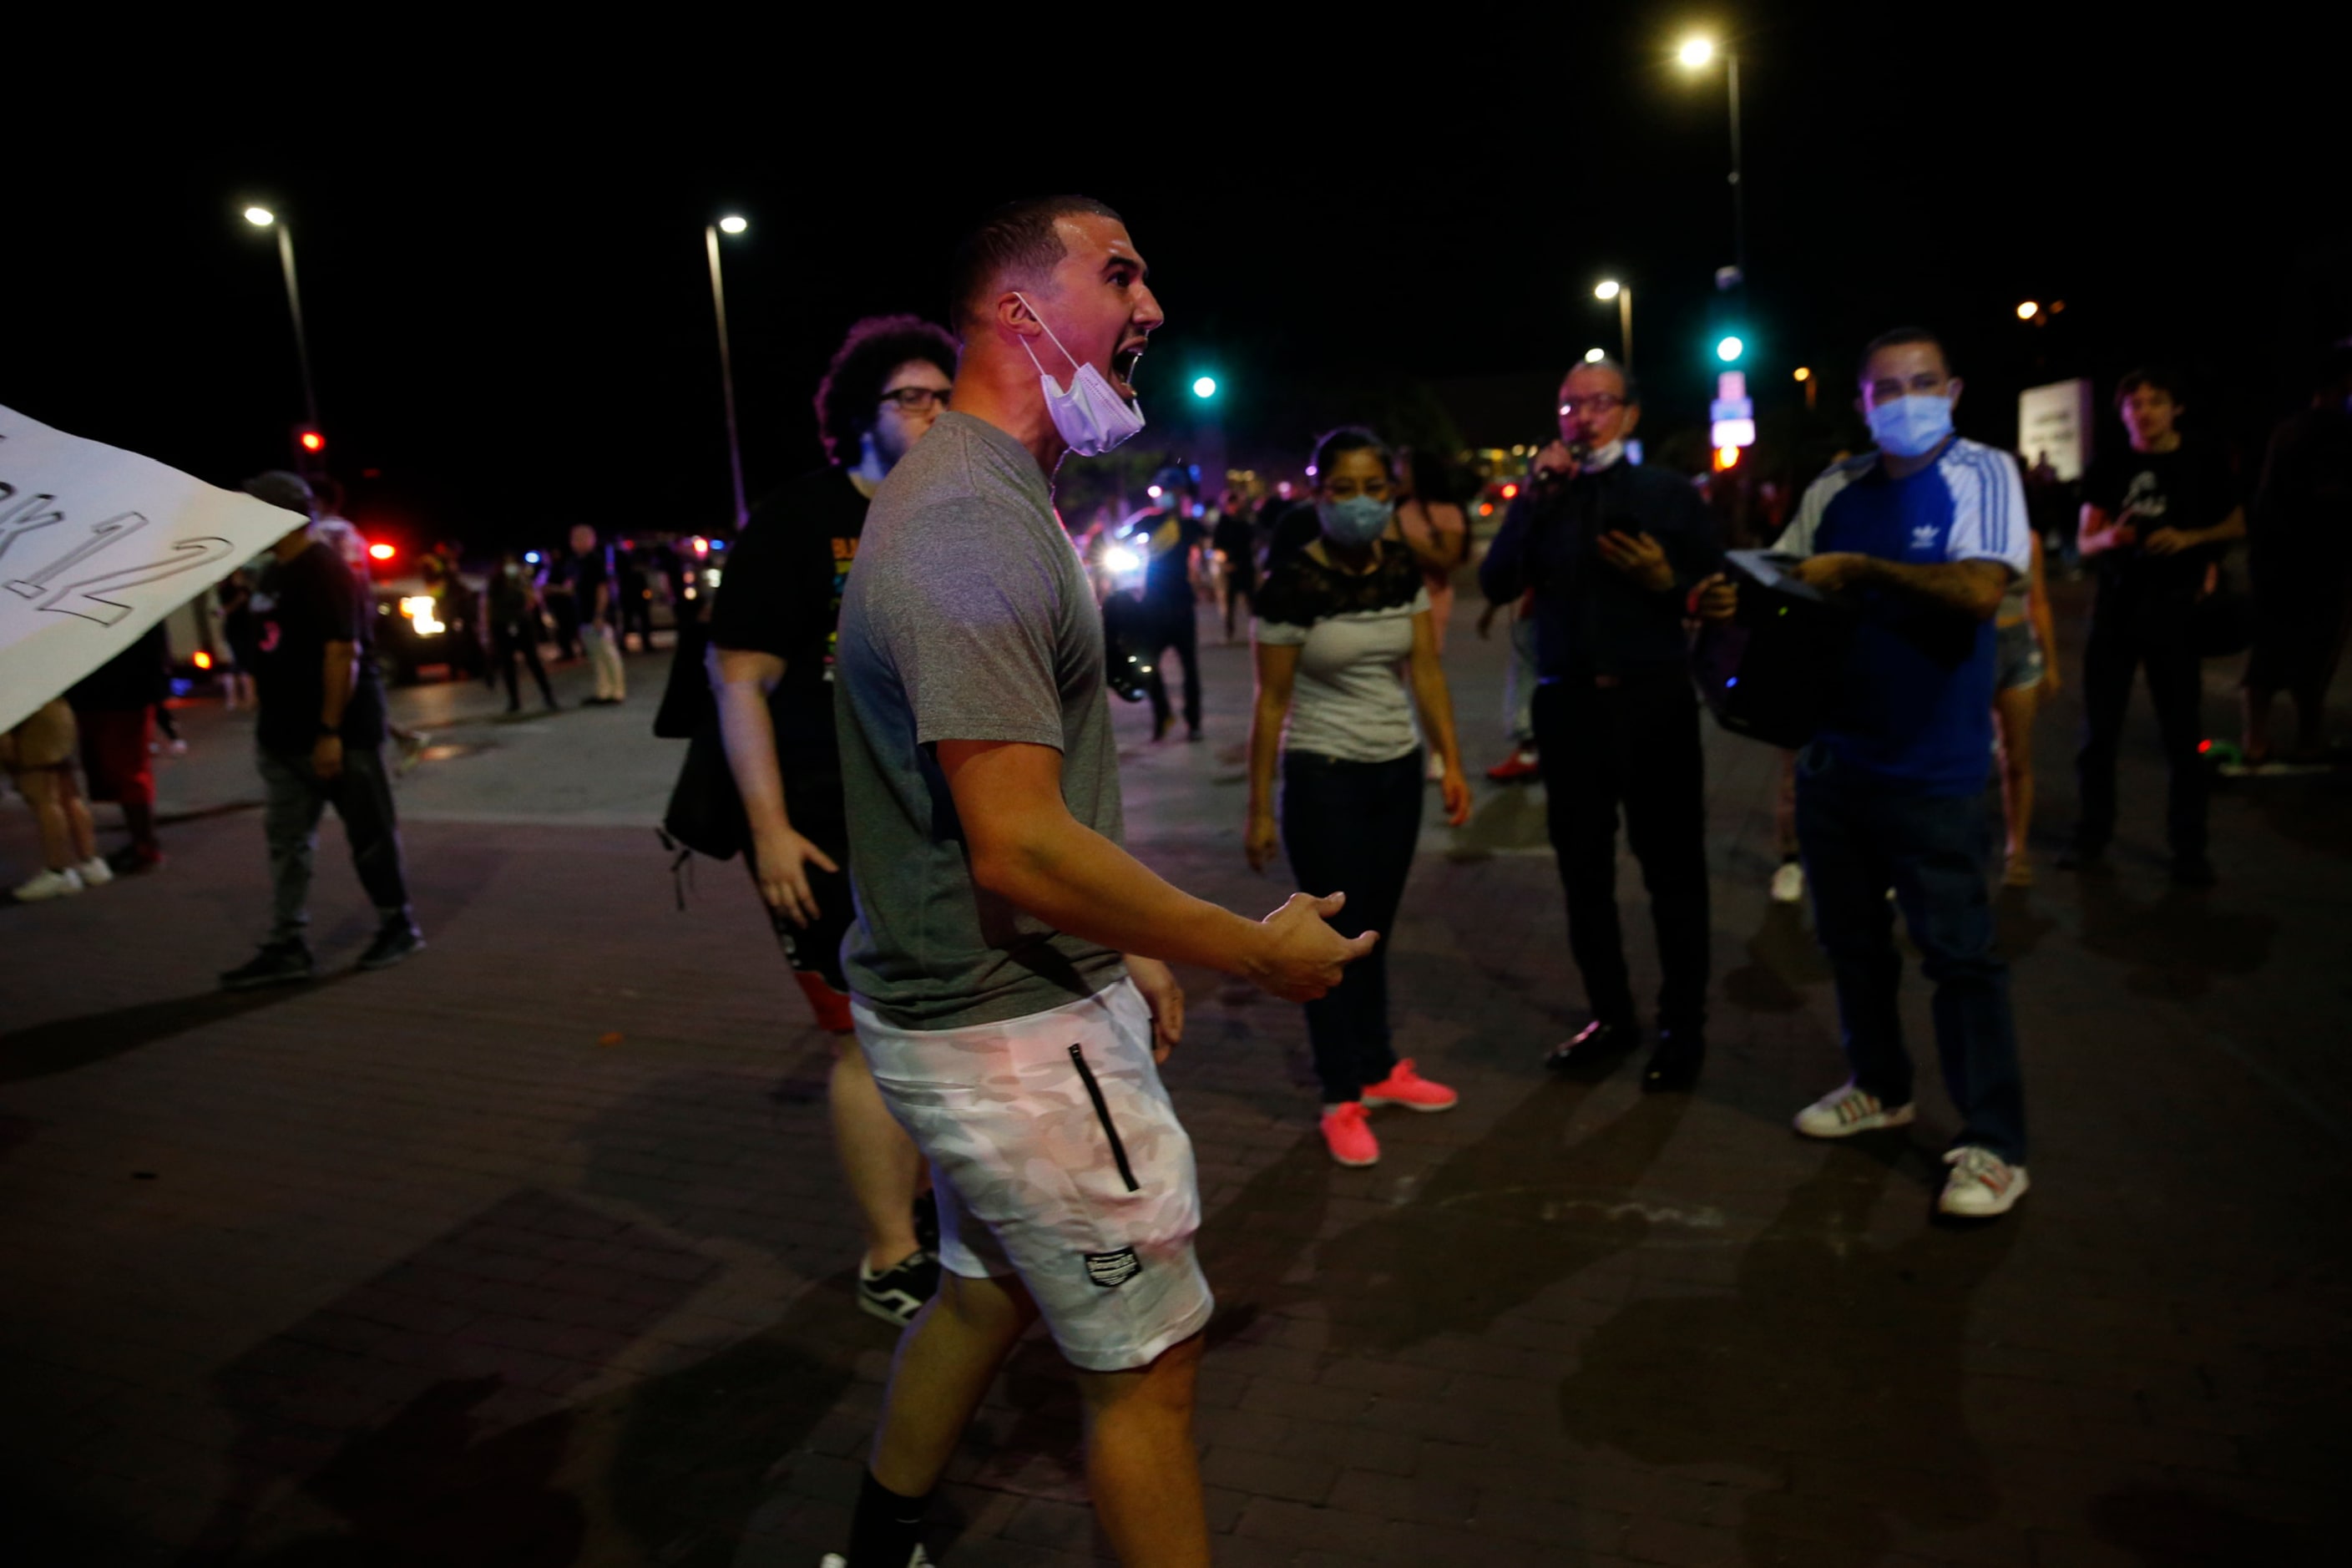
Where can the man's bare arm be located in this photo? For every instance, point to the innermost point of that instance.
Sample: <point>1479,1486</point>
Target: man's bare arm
<point>1971,588</point>
<point>1027,848</point>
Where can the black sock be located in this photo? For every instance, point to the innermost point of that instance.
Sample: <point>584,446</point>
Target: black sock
<point>884,1532</point>
<point>1790,859</point>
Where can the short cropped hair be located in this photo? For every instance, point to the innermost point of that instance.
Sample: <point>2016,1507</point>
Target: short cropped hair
<point>1336,444</point>
<point>1893,338</point>
<point>2166,382</point>
<point>1633,387</point>
<point>849,398</point>
<point>1016,244</point>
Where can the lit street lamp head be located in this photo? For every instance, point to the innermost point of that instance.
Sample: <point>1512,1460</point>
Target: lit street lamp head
<point>260,217</point>
<point>731,224</point>
<point>2028,311</point>
<point>1696,52</point>
<point>1608,289</point>
<point>1594,356</point>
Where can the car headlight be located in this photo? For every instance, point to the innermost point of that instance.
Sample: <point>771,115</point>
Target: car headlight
<point>419,608</point>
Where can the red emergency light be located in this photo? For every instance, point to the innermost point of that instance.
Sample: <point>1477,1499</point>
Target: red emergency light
<point>312,441</point>
<point>380,552</point>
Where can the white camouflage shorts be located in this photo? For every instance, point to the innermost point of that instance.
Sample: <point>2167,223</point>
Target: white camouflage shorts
<point>1058,1157</point>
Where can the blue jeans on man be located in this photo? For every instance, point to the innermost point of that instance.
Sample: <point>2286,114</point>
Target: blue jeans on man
<point>1861,836</point>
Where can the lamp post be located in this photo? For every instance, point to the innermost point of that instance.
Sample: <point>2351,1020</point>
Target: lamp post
<point>262,218</point>
<point>1694,54</point>
<point>731,224</point>
<point>1609,288</point>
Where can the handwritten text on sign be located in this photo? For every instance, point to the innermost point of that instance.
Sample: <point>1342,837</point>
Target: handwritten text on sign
<point>97,544</point>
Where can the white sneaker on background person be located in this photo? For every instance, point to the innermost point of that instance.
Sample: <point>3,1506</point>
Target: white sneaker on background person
<point>95,872</point>
<point>1981,1184</point>
<point>1789,882</point>
<point>45,885</point>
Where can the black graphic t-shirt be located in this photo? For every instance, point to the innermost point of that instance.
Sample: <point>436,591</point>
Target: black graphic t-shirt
<point>780,593</point>
<point>590,572</point>
<point>2188,488</point>
<point>1170,537</point>
<point>298,608</point>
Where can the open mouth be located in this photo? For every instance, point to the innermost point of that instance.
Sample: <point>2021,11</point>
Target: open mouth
<point>1122,367</point>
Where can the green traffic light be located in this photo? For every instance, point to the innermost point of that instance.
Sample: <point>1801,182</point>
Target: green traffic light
<point>1204,387</point>
<point>1729,349</point>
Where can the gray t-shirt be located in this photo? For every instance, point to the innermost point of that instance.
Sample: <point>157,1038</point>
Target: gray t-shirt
<point>969,617</point>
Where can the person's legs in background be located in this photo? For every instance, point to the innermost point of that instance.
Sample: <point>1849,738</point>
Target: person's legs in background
<point>2110,655</point>
<point>1577,734</point>
<point>1850,868</point>
<point>2176,689</point>
<point>1788,877</point>
<point>605,658</point>
<point>2016,700</point>
<point>1182,632</point>
<point>1665,791</point>
<point>1518,704</point>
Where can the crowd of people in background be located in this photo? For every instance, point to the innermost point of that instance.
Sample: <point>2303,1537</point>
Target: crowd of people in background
<point>894,704</point>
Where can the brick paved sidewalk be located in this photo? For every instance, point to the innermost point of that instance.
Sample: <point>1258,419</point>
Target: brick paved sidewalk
<point>530,1253</point>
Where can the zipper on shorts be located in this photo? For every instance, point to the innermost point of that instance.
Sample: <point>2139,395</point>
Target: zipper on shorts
<point>1102,1114</point>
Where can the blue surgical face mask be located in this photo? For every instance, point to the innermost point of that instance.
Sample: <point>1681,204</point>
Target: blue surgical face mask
<point>1357,520</point>
<point>1911,425</point>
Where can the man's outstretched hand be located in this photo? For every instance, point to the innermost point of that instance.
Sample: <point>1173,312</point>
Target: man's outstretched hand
<point>1302,956</point>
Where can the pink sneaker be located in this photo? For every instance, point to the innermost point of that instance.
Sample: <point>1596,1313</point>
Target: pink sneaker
<point>1407,1088</point>
<point>1349,1136</point>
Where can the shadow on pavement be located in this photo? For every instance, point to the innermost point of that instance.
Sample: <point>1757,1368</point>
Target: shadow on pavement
<point>2175,944</point>
<point>1498,1224</point>
<point>2169,1525</point>
<point>1831,1346</point>
<point>1782,956</point>
<point>61,1045</point>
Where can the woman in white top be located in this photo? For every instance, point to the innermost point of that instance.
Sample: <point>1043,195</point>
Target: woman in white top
<point>1338,626</point>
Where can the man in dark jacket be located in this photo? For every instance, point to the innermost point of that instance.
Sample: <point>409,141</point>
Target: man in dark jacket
<point>1611,550</point>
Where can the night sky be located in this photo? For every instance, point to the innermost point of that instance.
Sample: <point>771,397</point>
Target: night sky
<point>502,262</point>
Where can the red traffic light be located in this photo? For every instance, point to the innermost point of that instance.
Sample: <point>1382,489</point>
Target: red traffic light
<point>380,551</point>
<point>312,441</point>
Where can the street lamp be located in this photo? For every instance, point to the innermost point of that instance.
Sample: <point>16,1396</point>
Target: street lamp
<point>2027,311</point>
<point>731,224</point>
<point>1695,55</point>
<point>1609,288</point>
<point>1204,387</point>
<point>1594,356</point>
<point>262,218</point>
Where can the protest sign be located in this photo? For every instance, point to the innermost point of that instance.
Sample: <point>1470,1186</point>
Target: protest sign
<point>97,544</point>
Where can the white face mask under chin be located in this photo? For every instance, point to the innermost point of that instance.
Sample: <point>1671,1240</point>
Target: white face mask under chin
<point>1088,415</point>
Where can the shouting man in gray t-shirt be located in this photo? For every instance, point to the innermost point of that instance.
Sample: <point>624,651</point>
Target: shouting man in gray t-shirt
<point>1010,962</point>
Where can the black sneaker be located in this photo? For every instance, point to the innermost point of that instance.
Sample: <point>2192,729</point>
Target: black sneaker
<point>899,1292</point>
<point>393,943</point>
<point>1674,1066</point>
<point>2192,872</point>
<point>1597,1039</point>
<point>278,963</point>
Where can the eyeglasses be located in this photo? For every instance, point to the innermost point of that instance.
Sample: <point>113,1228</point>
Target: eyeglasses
<point>1599,403</point>
<point>917,399</point>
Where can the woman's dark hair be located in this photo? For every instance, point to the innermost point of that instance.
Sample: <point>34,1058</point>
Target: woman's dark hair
<point>849,398</point>
<point>2165,381</point>
<point>1348,438</point>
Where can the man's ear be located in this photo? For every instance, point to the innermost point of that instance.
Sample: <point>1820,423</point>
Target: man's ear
<point>1632,420</point>
<point>1014,315</point>
<point>1954,383</point>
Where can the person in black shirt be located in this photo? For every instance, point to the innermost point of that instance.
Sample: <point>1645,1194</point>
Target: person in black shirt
<point>1172,533</point>
<point>1234,539</point>
<point>1611,550</point>
<point>637,597</point>
<point>514,629</point>
<point>2156,520</point>
<point>2299,558</point>
<point>771,652</point>
<point>318,740</point>
<point>596,590</point>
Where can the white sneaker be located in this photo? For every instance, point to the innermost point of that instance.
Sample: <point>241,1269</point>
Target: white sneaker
<point>1789,883</point>
<point>95,872</point>
<point>1845,1111</point>
<point>47,885</point>
<point>1981,1184</point>
<point>836,1560</point>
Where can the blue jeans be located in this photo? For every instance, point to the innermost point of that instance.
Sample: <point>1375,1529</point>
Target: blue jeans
<point>1352,827</point>
<point>1860,836</point>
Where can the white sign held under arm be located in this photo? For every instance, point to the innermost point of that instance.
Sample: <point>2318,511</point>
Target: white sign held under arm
<point>97,544</point>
